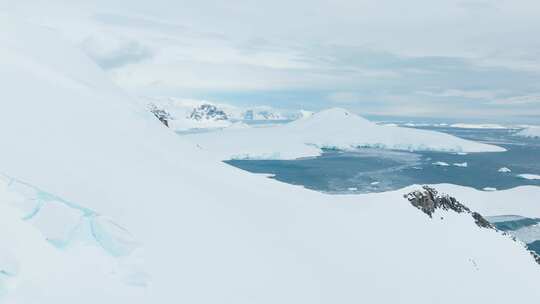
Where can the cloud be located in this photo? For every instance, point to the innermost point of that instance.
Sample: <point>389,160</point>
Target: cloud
<point>478,5</point>
<point>518,100</point>
<point>115,53</point>
<point>344,97</point>
<point>469,94</point>
<point>373,56</point>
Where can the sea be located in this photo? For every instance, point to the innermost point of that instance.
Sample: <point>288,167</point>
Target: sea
<point>368,170</point>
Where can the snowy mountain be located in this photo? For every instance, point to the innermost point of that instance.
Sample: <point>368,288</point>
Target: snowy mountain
<point>235,113</point>
<point>200,114</point>
<point>191,114</point>
<point>335,129</point>
<point>208,112</point>
<point>101,203</point>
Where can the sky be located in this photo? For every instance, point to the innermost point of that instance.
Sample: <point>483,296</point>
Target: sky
<point>471,60</point>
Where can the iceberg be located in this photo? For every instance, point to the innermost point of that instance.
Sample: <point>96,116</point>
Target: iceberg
<point>529,131</point>
<point>529,176</point>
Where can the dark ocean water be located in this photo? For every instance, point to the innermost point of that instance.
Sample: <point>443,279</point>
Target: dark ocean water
<point>374,170</point>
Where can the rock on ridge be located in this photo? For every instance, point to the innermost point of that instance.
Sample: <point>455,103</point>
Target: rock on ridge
<point>428,201</point>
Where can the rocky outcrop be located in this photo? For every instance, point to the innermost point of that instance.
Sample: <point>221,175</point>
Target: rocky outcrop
<point>481,221</point>
<point>160,114</point>
<point>208,112</point>
<point>428,200</point>
<point>536,256</point>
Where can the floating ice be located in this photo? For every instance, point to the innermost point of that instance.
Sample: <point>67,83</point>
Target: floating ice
<point>529,176</point>
<point>529,131</point>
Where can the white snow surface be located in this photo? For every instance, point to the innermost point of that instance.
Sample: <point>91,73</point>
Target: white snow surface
<point>202,231</point>
<point>496,202</point>
<point>184,124</point>
<point>334,129</point>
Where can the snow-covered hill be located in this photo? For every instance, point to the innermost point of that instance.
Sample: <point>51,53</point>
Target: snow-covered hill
<point>333,128</point>
<point>101,203</point>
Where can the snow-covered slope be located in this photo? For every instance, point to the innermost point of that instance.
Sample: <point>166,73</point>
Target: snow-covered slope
<point>333,128</point>
<point>74,148</point>
<point>495,203</point>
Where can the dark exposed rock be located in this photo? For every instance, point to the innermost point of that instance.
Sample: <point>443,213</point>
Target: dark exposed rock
<point>160,114</point>
<point>536,256</point>
<point>481,221</point>
<point>208,112</point>
<point>428,201</point>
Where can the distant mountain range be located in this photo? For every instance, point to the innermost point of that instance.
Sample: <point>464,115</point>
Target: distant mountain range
<point>200,110</point>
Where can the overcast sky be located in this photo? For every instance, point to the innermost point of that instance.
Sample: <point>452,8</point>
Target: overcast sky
<point>465,59</point>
